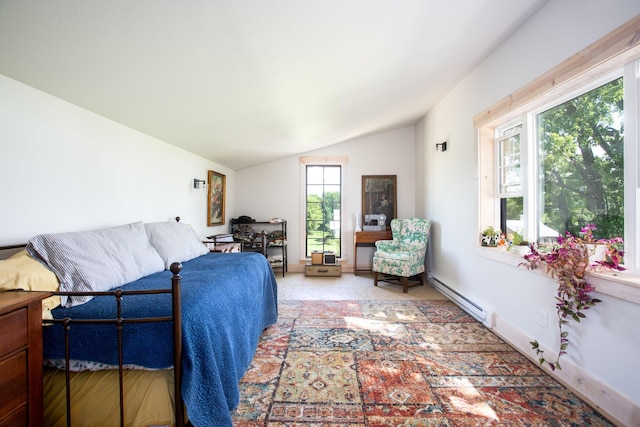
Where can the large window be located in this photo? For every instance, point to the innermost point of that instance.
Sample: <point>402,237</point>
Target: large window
<point>323,218</point>
<point>563,151</point>
<point>581,162</point>
<point>576,171</point>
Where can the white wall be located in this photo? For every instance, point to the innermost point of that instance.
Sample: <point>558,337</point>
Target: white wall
<point>274,189</point>
<point>606,346</point>
<point>63,168</point>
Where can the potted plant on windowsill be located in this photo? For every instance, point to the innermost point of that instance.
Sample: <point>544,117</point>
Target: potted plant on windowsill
<point>521,248</point>
<point>517,244</point>
<point>567,261</point>
<point>490,237</point>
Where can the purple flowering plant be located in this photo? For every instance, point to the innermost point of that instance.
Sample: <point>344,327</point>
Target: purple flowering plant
<point>567,261</point>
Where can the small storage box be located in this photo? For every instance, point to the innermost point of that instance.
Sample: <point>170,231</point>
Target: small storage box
<point>316,258</point>
<point>329,258</point>
<point>322,270</point>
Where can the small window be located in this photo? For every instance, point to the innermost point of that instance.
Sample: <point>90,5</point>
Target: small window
<point>509,164</point>
<point>512,215</point>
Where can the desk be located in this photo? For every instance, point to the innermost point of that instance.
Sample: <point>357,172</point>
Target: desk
<point>367,238</point>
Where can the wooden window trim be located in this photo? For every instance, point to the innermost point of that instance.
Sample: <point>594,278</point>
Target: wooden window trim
<point>602,57</point>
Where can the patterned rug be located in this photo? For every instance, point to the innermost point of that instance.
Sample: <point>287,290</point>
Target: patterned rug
<point>396,363</point>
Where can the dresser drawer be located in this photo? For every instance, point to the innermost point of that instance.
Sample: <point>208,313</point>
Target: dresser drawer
<point>21,358</point>
<point>13,331</point>
<point>13,384</point>
<point>18,417</point>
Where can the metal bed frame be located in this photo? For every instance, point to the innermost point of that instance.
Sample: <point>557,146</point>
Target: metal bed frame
<point>119,322</point>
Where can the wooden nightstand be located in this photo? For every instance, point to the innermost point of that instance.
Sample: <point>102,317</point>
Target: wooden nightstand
<point>21,358</point>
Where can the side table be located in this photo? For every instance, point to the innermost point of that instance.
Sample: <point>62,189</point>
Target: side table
<point>367,238</point>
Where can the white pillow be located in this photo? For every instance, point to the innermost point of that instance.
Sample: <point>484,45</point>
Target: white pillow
<point>175,241</point>
<point>99,260</point>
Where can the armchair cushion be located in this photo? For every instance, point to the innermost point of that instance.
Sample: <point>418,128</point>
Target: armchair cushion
<point>388,245</point>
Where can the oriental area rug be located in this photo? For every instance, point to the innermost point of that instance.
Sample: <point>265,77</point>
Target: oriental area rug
<point>396,363</point>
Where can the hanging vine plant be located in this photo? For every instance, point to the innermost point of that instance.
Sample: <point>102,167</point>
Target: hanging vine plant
<point>567,261</point>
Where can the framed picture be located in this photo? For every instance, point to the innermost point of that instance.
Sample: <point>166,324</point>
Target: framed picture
<point>216,200</point>
<point>379,196</point>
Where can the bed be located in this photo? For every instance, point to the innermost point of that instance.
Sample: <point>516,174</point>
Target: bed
<point>225,302</point>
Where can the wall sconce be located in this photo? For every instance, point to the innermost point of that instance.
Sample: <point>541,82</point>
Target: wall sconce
<point>199,182</point>
<point>442,146</point>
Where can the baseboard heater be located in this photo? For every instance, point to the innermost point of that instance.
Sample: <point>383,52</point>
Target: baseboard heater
<point>480,314</point>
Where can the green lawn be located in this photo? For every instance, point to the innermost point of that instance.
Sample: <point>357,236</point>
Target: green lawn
<point>315,243</point>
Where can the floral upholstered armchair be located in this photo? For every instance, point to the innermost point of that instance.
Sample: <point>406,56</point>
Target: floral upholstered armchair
<point>397,260</point>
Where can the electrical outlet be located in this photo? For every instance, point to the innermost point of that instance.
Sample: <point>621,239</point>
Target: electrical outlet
<point>542,319</point>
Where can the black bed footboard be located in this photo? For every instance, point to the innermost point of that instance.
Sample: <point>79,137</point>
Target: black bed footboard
<point>119,322</point>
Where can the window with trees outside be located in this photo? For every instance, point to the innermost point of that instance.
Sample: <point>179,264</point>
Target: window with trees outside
<point>509,174</point>
<point>562,152</point>
<point>578,147</point>
<point>323,209</point>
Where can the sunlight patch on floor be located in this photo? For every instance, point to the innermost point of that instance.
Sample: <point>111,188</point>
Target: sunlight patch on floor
<point>378,326</point>
<point>466,401</point>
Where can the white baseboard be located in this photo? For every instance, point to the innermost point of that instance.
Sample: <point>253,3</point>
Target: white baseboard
<point>295,268</point>
<point>618,408</point>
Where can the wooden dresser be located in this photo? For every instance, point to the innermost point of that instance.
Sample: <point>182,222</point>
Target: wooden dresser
<point>21,358</point>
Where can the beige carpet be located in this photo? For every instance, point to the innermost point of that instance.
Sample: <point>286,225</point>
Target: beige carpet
<point>297,286</point>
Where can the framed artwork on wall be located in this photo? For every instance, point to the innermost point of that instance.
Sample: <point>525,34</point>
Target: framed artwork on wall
<point>216,199</point>
<point>379,196</point>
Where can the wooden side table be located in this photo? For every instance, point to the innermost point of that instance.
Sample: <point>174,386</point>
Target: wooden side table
<point>21,358</point>
<point>367,238</point>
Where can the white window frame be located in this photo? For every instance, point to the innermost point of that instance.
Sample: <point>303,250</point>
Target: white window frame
<point>632,164</point>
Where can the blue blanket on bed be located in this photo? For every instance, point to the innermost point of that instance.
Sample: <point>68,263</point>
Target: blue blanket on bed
<point>227,301</point>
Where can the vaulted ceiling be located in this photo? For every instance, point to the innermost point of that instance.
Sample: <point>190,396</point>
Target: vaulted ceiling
<point>243,82</point>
